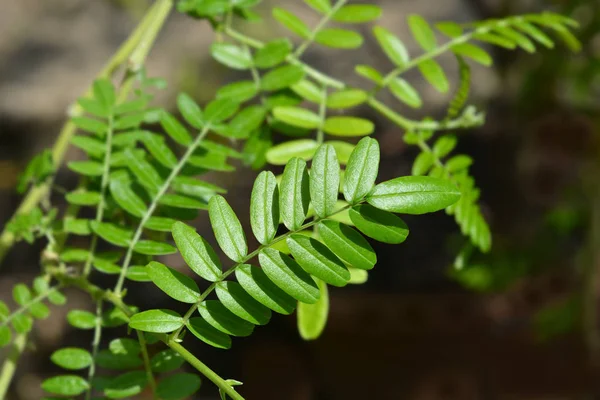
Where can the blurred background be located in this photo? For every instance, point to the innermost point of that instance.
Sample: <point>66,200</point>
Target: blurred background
<point>520,323</point>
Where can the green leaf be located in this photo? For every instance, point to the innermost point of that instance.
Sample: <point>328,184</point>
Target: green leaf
<point>227,228</point>
<point>346,243</point>
<point>240,303</point>
<point>5,336</point>
<point>152,248</point>
<point>405,92</point>
<point>57,298</point>
<point>435,75</point>
<point>21,294</point>
<point>137,273</point>
<point>261,288</point>
<point>473,52</point>
<point>370,73</point>
<point>39,310</point>
<point>174,129</point>
<point>289,276</point>
<point>312,318</point>
<point>322,6</point>
<point>190,110</point>
<point>125,346</point>
<point>215,313</point>
<point>157,321</point>
<point>81,319</point>
<point>106,267</point>
<point>521,40</point>
<point>220,109</point>
<point>65,385</point>
<point>273,53</point>
<point>423,164</point>
<point>93,147</point>
<point>104,92</point>
<point>112,233</point>
<point>358,276</point>
<point>378,224</point>
<point>160,151</point>
<point>159,224</point>
<point>362,170</point>
<point>414,195</point>
<point>208,334</point>
<point>166,361</point>
<point>357,13</point>
<point>247,120</point>
<point>291,22</point>
<point>282,153</point>
<point>339,38</point>
<point>450,29</point>
<point>176,200</point>
<point>126,385</point>
<point>178,386</point>
<point>422,32</point>
<point>22,323</point>
<point>296,116</point>
<point>264,207</point>
<point>308,91</point>
<point>93,107</point>
<point>127,199</point>
<point>281,77</point>
<point>83,198</point>
<point>535,33</point>
<point>86,168</point>
<point>324,181</point>
<point>196,252</point>
<point>346,98</point>
<point>90,125</point>
<point>348,126</point>
<point>318,260</point>
<point>241,91</point>
<point>143,171</point>
<point>233,56</point>
<point>72,358</point>
<point>496,40</point>
<point>195,187</point>
<point>108,360</point>
<point>444,145</point>
<point>175,284</point>
<point>136,105</point>
<point>4,310</point>
<point>392,46</point>
<point>294,194</point>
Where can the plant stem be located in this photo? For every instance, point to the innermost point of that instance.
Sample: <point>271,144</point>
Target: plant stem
<point>95,347</point>
<point>146,359</point>
<point>166,185</point>
<point>302,48</point>
<point>37,193</point>
<point>10,364</point>
<point>27,305</point>
<point>205,370</point>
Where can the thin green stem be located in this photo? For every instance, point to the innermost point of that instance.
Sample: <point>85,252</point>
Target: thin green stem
<point>95,347</point>
<point>162,191</point>
<point>41,297</point>
<point>37,193</point>
<point>146,359</point>
<point>205,370</point>
<point>10,364</point>
<point>322,23</point>
<point>322,114</point>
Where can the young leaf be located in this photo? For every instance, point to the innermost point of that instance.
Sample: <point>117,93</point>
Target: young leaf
<point>127,199</point>
<point>346,98</point>
<point>241,91</point>
<point>72,358</point>
<point>444,145</point>
<point>339,38</point>
<point>86,168</point>
<point>377,224</point>
<point>259,286</point>
<point>196,252</point>
<point>104,93</point>
<point>227,228</point>
<point>312,318</point>
<point>347,244</point>
<point>414,195</point>
<point>282,153</point>
<point>217,315</point>
<point>233,56</point>
<point>422,164</point>
<point>81,319</point>
<point>90,125</point>
<point>297,116</point>
<point>348,126</point>
<point>289,276</point>
<point>473,52</point>
<point>435,75</point>
<point>273,53</point>
<point>247,121</point>
<point>22,323</point>
<point>357,13</point>
<point>422,32</point>
<point>174,129</point>
<point>220,109</point>
<point>362,170</point>
<point>240,303</point>
<point>458,163</point>
<point>208,334</point>
<point>166,361</point>
<point>343,150</point>
<point>83,198</point>
<point>405,92</point>
<point>322,6</point>
<point>112,233</point>
<point>324,181</point>
<point>292,22</point>
<point>65,385</point>
<point>178,386</point>
<point>93,147</point>
<point>21,294</point>
<point>370,73</point>
<point>281,77</point>
<point>157,321</point>
<point>153,248</point>
<point>521,40</point>
<point>126,385</point>
<point>137,273</point>
<point>392,46</point>
<point>190,110</point>
<point>294,196</point>
<point>175,284</point>
<point>160,151</point>
<point>125,346</point>
<point>318,260</point>
<point>176,200</point>
<point>5,336</point>
<point>264,207</point>
<point>358,276</point>
<point>143,171</point>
